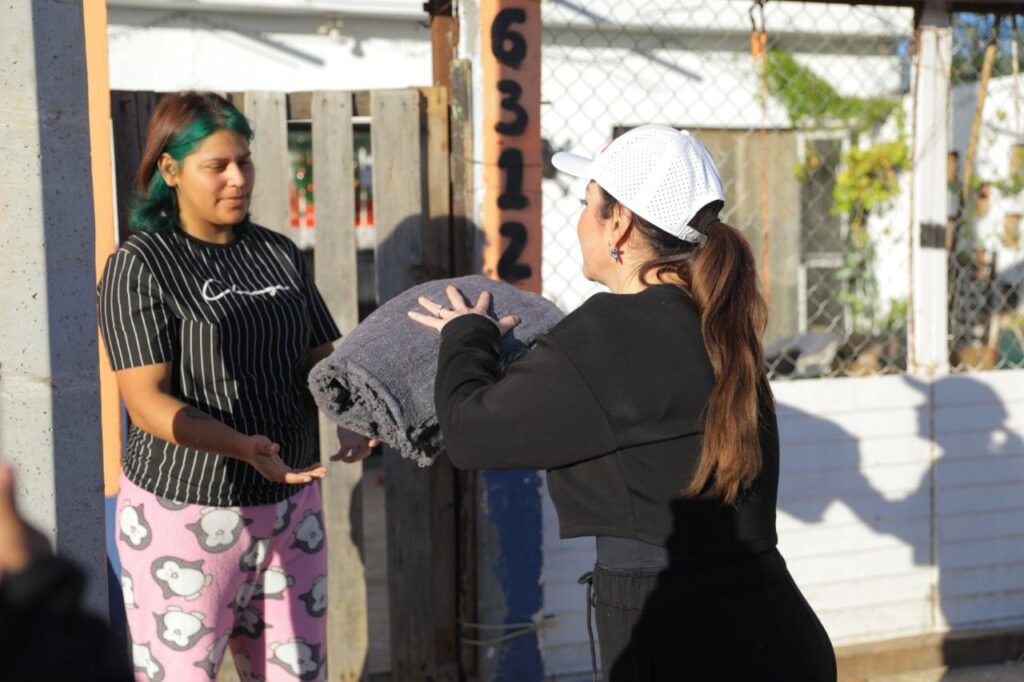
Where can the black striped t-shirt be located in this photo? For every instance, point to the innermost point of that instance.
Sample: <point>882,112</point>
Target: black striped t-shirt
<point>236,323</point>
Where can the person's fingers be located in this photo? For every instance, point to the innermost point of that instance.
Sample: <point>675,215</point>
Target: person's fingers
<point>431,307</point>
<point>508,323</point>
<point>426,320</point>
<point>373,442</point>
<point>483,303</point>
<point>456,297</point>
<point>354,456</point>
<point>7,503</point>
<point>294,478</point>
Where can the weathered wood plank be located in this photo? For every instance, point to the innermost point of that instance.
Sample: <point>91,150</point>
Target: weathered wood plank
<point>465,245</point>
<point>361,104</point>
<point>436,184</point>
<point>335,271</point>
<point>395,137</point>
<point>397,175</point>
<point>410,570</point>
<point>269,116</point>
<point>436,265</point>
<point>300,106</point>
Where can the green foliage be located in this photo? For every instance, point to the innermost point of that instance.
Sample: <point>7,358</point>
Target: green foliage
<point>1014,184</point>
<point>895,319</point>
<point>810,100</point>
<point>867,179</point>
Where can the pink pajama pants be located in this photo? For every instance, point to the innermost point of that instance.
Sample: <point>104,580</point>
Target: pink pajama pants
<point>198,580</point>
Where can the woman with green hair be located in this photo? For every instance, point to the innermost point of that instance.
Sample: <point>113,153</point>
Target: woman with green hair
<point>212,324</point>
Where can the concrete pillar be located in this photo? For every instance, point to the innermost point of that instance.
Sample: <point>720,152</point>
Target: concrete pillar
<point>49,394</point>
<point>929,331</point>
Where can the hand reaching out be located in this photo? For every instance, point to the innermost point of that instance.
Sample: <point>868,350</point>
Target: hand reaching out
<point>353,447</point>
<point>262,454</point>
<point>440,316</point>
<point>20,543</point>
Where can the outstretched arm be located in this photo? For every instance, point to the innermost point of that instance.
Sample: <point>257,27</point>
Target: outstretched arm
<point>152,407</point>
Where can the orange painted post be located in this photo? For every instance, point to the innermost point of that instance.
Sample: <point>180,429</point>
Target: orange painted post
<point>95,14</point>
<point>510,62</point>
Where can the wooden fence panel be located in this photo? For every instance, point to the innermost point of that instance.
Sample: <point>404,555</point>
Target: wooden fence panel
<point>437,263</point>
<point>437,236</point>
<point>268,113</point>
<point>397,175</point>
<point>430,511</point>
<point>335,268</point>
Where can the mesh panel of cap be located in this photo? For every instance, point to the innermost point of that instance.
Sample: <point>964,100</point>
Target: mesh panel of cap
<point>663,175</point>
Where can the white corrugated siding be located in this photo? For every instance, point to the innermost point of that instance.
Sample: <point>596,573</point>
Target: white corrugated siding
<point>883,543</point>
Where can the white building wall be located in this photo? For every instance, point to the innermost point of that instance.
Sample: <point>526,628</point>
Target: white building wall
<point>901,510</point>
<point>979,498</point>
<point>172,49</point>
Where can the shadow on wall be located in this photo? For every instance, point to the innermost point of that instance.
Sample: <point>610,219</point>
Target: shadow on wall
<point>963,514</point>
<point>869,497</point>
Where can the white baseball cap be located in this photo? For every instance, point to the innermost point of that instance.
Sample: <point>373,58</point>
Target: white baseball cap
<point>663,175</point>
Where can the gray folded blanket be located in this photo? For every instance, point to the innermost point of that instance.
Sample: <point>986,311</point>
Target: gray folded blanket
<point>380,380</point>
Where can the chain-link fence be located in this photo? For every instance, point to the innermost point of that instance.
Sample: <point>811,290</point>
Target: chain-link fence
<point>805,106</point>
<point>986,179</point>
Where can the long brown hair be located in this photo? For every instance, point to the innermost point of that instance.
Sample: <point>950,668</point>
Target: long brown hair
<point>721,278</point>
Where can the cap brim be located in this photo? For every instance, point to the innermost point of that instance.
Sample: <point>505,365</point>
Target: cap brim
<point>572,164</point>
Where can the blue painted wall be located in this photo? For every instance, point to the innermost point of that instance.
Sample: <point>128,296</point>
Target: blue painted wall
<point>510,561</point>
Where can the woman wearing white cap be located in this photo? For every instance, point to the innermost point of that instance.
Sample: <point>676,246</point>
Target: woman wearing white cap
<point>650,408</point>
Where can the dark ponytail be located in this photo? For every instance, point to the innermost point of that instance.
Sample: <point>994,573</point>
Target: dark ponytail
<point>721,277</point>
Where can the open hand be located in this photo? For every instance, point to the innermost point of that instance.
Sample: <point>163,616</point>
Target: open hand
<point>20,543</point>
<point>262,454</point>
<point>440,316</point>
<point>353,447</point>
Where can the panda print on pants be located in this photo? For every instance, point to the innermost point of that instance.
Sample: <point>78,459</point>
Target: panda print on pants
<point>144,663</point>
<point>133,527</point>
<point>283,516</point>
<point>179,630</point>
<point>298,658</point>
<point>255,556</point>
<point>180,578</point>
<point>316,599</point>
<point>272,584</point>
<point>214,654</point>
<point>244,595</point>
<point>128,590</point>
<point>219,528</point>
<point>249,623</point>
<point>309,533</point>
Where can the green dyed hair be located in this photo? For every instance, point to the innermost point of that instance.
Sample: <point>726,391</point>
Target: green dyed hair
<point>179,124</point>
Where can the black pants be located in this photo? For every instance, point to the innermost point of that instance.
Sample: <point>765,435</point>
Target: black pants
<point>742,619</point>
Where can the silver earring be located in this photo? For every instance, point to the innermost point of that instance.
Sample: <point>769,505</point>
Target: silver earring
<point>614,252</point>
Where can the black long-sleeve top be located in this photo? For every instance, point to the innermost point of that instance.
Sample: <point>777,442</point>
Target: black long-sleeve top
<point>611,403</point>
